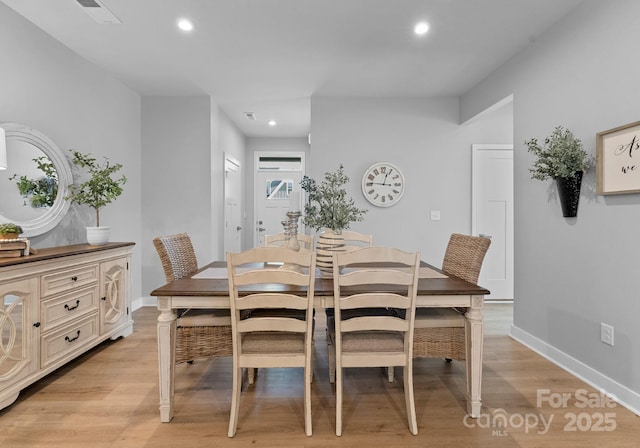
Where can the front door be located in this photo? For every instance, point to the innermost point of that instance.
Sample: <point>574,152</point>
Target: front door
<point>492,215</point>
<point>277,175</point>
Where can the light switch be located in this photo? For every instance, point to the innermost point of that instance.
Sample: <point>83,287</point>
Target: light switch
<point>435,215</point>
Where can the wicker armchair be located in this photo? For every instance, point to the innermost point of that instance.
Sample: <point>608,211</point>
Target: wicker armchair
<point>440,333</point>
<point>199,333</point>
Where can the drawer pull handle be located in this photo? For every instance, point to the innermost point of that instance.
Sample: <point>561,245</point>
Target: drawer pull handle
<point>68,339</point>
<point>74,278</point>
<point>37,324</point>
<point>71,308</point>
<point>103,298</point>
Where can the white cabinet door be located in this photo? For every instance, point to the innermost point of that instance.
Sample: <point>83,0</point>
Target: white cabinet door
<point>19,332</point>
<point>114,294</point>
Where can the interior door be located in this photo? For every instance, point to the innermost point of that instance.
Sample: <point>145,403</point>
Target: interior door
<point>492,215</point>
<point>232,205</point>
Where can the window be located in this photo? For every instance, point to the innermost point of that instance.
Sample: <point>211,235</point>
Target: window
<point>279,189</point>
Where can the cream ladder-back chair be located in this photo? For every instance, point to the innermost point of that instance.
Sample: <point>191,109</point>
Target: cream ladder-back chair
<point>281,336</point>
<point>440,332</point>
<point>278,239</point>
<point>199,333</point>
<point>352,241</point>
<point>355,240</point>
<point>381,339</point>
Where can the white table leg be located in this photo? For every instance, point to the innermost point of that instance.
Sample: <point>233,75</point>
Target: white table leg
<point>473,347</point>
<point>166,356</point>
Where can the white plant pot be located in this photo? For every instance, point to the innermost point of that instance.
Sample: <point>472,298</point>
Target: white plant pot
<point>98,235</point>
<point>328,243</point>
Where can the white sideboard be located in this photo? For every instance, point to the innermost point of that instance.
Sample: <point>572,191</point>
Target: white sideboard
<point>56,305</point>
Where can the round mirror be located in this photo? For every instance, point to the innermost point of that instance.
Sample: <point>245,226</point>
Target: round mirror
<point>37,178</point>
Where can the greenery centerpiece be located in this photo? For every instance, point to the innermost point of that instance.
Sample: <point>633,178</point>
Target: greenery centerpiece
<point>100,188</point>
<point>561,157</point>
<point>329,207</point>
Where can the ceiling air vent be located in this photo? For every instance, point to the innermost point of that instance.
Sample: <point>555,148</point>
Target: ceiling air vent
<point>88,3</point>
<point>98,12</point>
<point>250,115</point>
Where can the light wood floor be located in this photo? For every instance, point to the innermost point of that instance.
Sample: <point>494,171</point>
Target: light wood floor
<point>109,398</point>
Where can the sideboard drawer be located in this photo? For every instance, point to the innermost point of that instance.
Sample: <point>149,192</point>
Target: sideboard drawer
<point>68,339</point>
<point>65,280</point>
<point>66,307</point>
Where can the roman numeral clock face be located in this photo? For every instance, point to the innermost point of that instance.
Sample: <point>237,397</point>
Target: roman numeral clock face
<point>383,184</point>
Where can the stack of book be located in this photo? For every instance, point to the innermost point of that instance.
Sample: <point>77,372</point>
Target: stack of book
<point>13,248</point>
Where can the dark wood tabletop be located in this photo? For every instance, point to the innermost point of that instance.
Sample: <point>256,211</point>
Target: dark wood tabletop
<point>323,286</point>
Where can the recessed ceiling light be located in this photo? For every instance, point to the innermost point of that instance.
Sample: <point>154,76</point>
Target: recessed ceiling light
<point>421,28</point>
<point>185,25</point>
<point>272,122</point>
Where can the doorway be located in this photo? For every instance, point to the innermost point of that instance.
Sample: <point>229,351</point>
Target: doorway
<point>232,205</point>
<point>492,215</point>
<point>277,175</point>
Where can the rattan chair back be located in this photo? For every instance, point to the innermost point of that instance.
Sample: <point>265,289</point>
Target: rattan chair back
<point>176,255</point>
<point>464,256</point>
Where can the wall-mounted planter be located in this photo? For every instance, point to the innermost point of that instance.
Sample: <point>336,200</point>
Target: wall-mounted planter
<point>569,192</point>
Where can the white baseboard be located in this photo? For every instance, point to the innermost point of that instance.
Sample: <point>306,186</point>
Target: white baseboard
<point>623,395</point>
<point>144,301</point>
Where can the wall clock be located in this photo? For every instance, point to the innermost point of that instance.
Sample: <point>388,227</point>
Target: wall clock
<point>383,184</point>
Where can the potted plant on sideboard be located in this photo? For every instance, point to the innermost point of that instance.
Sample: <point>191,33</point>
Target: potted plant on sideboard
<point>562,158</point>
<point>98,190</point>
<point>9,231</point>
<point>328,207</point>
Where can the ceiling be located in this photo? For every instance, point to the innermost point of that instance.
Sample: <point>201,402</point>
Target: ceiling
<point>270,56</point>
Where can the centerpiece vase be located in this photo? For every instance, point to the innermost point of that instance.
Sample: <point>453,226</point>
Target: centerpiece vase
<point>329,241</point>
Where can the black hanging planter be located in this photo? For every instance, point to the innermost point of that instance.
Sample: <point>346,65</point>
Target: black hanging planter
<point>569,192</point>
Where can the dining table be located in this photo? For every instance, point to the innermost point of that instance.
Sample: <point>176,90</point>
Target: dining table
<point>208,288</point>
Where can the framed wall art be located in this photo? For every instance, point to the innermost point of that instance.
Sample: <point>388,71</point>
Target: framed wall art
<point>618,160</point>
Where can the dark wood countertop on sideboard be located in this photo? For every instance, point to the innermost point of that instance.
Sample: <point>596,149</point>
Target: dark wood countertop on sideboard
<point>60,251</point>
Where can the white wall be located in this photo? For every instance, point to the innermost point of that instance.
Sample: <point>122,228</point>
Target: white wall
<point>227,139</point>
<point>573,274</point>
<point>77,105</point>
<point>183,144</point>
<point>176,153</point>
<point>422,137</point>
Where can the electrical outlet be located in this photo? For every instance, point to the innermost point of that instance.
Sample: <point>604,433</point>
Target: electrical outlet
<point>606,334</point>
